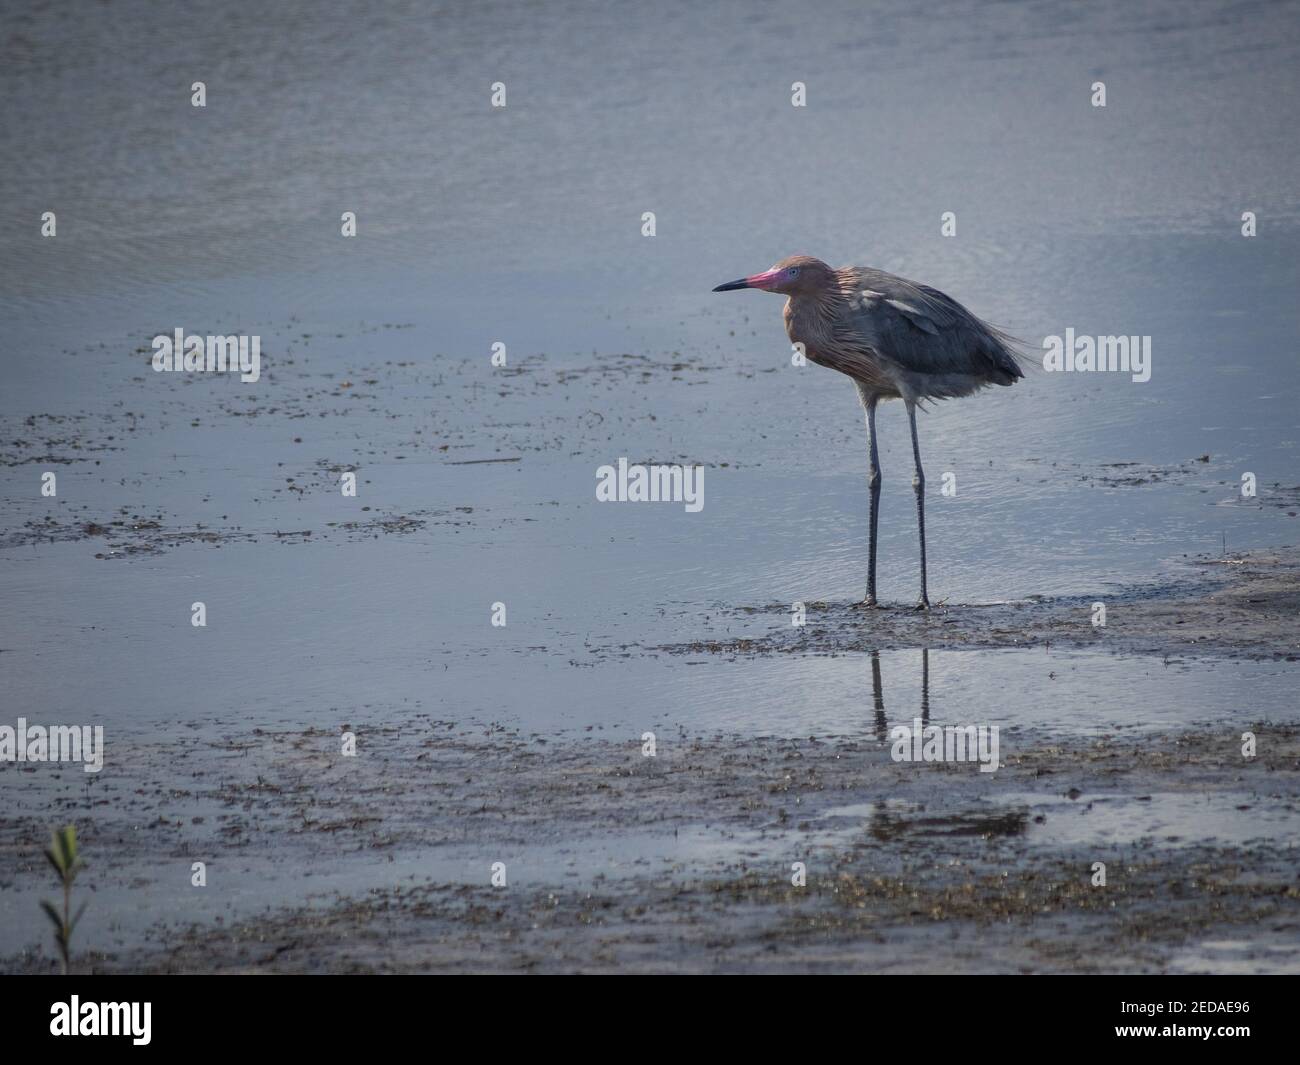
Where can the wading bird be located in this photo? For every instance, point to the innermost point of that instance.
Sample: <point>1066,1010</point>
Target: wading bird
<point>897,340</point>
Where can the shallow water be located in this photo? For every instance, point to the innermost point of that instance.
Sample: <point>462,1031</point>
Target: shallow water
<point>522,226</point>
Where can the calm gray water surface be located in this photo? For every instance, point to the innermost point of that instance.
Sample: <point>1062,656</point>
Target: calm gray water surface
<point>523,226</point>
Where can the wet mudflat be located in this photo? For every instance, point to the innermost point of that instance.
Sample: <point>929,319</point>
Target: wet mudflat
<point>1242,607</point>
<point>1121,744</point>
<point>684,861</point>
<point>522,744</point>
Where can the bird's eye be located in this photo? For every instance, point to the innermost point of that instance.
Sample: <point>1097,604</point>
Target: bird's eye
<point>794,271</point>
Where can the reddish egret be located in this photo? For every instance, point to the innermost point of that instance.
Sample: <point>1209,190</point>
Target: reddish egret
<point>897,340</point>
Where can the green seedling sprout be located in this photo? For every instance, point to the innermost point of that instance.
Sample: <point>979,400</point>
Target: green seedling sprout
<point>62,853</point>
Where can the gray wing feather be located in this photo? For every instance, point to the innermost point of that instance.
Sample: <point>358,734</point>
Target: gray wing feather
<point>926,331</point>
<point>915,315</point>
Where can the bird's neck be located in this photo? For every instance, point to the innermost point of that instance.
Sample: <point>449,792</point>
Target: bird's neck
<point>813,312</point>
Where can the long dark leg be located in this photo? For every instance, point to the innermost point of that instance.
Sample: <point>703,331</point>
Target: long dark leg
<point>918,486</point>
<point>873,484</point>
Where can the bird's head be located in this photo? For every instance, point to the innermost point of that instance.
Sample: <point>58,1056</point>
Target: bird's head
<point>798,273</point>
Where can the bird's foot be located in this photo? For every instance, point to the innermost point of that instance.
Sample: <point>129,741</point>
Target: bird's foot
<point>923,603</point>
<point>870,601</point>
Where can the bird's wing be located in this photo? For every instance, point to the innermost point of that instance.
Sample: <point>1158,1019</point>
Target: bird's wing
<point>924,330</point>
<point>916,316</point>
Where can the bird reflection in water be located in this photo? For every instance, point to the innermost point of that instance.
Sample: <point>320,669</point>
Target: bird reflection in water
<point>878,695</point>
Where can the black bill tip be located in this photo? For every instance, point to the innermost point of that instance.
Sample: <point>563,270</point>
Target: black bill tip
<point>730,285</point>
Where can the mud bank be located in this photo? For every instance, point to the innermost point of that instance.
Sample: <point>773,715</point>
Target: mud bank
<point>614,861</point>
<point>684,861</point>
<point>1244,606</point>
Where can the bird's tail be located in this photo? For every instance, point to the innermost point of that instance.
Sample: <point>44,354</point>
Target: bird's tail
<point>1008,355</point>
